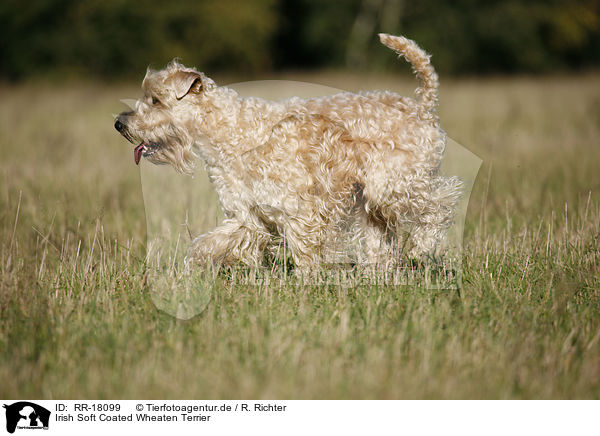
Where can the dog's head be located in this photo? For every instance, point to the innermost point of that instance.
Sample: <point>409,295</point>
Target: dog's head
<point>164,123</point>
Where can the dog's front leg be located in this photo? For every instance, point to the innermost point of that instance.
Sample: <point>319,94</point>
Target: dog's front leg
<point>232,242</point>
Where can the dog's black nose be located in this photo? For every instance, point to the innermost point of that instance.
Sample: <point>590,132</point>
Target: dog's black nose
<point>119,125</point>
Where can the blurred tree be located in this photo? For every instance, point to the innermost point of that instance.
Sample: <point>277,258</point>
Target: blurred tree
<point>120,37</point>
<point>313,33</point>
<point>465,36</point>
<point>375,16</point>
<point>112,37</point>
<point>482,36</point>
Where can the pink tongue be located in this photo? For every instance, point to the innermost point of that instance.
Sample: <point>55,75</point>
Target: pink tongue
<point>137,153</point>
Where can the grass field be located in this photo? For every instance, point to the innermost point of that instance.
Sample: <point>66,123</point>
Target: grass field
<point>76,320</point>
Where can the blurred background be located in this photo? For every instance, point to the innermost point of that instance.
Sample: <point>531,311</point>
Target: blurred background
<point>520,87</point>
<point>117,38</point>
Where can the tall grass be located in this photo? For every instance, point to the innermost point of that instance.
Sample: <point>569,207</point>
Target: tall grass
<point>77,320</point>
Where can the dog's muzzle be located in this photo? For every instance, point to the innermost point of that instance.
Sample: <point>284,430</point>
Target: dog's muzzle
<point>119,126</point>
<point>143,149</point>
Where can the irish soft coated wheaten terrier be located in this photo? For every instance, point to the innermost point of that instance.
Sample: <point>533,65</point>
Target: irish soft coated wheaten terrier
<point>305,171</point>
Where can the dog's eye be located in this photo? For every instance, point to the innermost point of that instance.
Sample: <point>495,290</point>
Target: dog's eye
<point>155,101</point>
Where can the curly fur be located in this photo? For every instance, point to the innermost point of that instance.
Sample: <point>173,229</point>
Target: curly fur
<point>307,170</point>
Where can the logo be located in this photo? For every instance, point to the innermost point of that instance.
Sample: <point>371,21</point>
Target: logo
<point>26,415</point>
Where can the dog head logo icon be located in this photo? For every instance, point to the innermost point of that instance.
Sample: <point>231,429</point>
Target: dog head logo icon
<point>26,415</point>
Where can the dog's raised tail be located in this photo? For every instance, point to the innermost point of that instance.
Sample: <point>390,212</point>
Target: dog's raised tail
<point>427,92</point>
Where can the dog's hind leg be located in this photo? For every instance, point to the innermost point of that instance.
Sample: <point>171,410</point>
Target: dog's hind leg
<point>423,205</point>
<point>439,206</point>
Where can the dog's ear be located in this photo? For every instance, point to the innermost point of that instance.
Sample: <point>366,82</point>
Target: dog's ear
<point>186,82</point>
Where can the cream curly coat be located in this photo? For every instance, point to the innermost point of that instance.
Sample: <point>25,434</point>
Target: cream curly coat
<point>364,165</point>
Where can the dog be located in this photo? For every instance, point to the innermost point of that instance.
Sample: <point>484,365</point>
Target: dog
<point>305,171</point>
